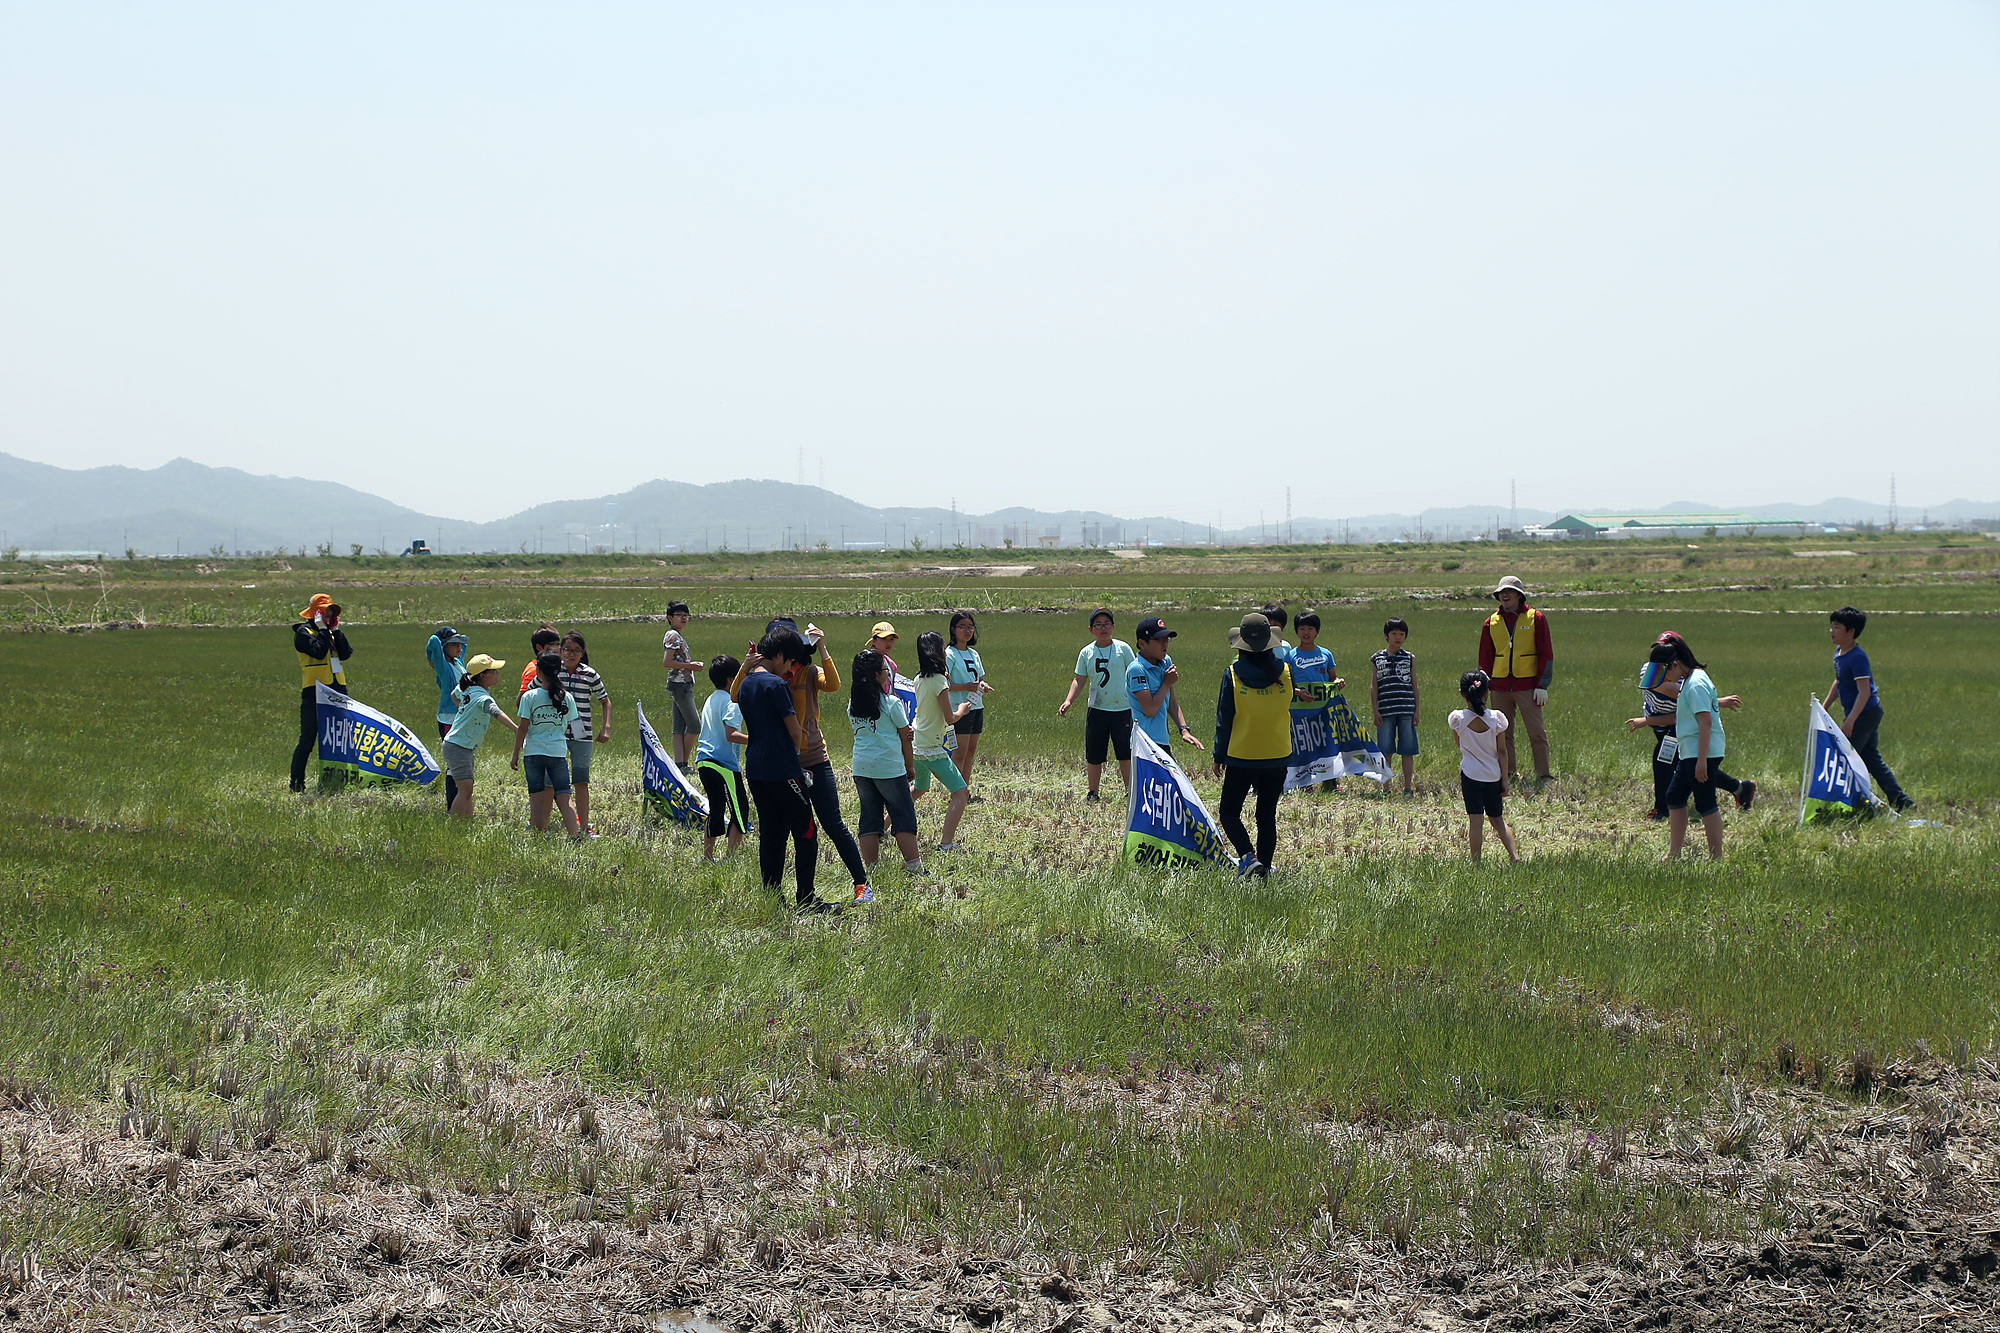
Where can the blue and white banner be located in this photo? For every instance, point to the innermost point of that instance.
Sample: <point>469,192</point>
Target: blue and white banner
<point>368,746</point>
<point>1836,782</point>
<point>1167,825</point>
<point>666,790</point>
<point>1328,742</point>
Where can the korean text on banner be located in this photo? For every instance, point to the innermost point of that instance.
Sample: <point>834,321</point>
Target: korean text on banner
<point>666,790</point>
<point>1836,781</point>
<point>1167,825</point>
<point>360,744</point>
<point>1328,742</point>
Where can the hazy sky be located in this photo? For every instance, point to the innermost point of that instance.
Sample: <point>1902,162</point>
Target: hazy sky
<point>1147,258</point>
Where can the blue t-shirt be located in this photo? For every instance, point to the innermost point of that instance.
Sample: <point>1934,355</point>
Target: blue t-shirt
<point>963,667</point>
<point>1310,665</point>
<point>718,715</point>
<point>548,726</point>
<point>878,748</point>
<point>1849,667</point>
<point>765,702</point>
<point>1697,696</point>
<point>475,713</point>
<point>1105,669</point>
<point>1152,678</point>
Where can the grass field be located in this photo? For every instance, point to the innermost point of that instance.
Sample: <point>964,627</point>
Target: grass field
<point>1034,1052</point>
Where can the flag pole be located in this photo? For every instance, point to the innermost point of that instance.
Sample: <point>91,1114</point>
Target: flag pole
<point>1812,730</point>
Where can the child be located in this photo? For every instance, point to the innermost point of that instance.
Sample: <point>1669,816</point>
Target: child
<point>446,649</point>
<point>1392,697</point>
<point>716,760</point>
<point>1151,680</point>
<point>1477,729</point>
<point>549,710</point>
<point>1699,746</point>
<point>543,640</point>
<point>1312,666</point>
<point>968,679</point>
<point>927,745</point>
<point>1276,615</point>
<point>1854,682</point>
<point>473,698</point>
<point>884,759</point>
<point>771,762</point>
<point>1656,710</point>
<point>584,685</point>
<point>1102,665</point>
<point>680,681</point>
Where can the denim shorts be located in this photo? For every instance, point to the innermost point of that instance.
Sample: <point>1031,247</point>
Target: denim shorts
<point>939,766</point>
<point>885,796</point>
<point>1685,786</point>
<point>546,770</point>
<point>579,762</point>
<point>1397,734</point>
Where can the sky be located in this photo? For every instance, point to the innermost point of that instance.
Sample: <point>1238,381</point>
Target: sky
<point>1148,258</point>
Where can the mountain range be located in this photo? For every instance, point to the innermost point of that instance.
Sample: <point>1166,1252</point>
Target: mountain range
<point>187,508</point>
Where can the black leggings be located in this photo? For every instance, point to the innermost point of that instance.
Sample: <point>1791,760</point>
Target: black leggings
<point>450,782</point>
<point>825,794</point>
<point>1237,783</point>
<point>784,812</point>
<point>308,732</point>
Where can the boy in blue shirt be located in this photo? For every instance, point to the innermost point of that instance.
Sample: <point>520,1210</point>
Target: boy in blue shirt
<point>1312,670</point>
<point>1150,682</point>
<point>778,783</point>
<point>1854,682</point>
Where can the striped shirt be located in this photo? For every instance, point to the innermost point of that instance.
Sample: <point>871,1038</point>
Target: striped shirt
<point>1395,683</point>
<point>1653,703</point>
<point>584,684</point>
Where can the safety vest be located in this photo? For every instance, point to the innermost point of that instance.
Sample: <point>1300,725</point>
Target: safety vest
<point>1514,656</point>
<point>325,670</point>
<point>1262,728</point>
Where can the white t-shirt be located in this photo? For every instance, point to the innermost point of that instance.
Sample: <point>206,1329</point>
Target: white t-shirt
<point>1478,751</point>
<point>933,716</point>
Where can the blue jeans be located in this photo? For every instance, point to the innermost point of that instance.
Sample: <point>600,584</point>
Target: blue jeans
<point>546,770</point>
<point>1396,734</point>
<point>1866,729</point>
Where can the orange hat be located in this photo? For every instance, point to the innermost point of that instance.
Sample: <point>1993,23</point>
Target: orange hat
<point>320,602</point>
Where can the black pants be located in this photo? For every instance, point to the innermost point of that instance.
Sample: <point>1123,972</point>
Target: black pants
<point>825,793</point>
<point>1237,783</point>
<point>1663,772</point>
<point>308,732</point>
<point>450,782</point>
<point>1866,737</point>
<point>784,812</point>
<point>725,807</point>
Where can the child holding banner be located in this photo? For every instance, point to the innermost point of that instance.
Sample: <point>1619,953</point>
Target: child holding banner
<point>1478,729</point>
<point>884,759</point>
<point>716,761</point>
<point>1854,683</point>
<point>549,709</point>
<point>1253,741</point>
<point>477,709</point>
<point>1312,666</point>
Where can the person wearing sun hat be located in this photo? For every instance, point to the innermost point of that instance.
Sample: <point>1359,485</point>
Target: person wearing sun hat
<point>1517,655</point>
<point>323,652</point>
<point>1253,741</point>
<point>446,650</point>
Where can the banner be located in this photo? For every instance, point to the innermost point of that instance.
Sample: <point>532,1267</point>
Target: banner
<point>666,790</point>
<point>1328,742</point>
<point>1167,825</point>
<point>358,744</point>
<point>1837,782</point>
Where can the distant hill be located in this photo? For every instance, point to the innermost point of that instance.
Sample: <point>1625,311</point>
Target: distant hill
<point>190,508</point>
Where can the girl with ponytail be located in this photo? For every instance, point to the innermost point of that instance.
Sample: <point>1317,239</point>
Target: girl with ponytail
<point>1477,729</point>
<point>549,710</point>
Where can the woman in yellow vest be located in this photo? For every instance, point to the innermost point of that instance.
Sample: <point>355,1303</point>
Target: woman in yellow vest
<point>323,652</point>
<point>1253,741</point>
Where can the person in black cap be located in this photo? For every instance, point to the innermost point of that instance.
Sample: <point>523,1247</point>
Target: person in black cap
<point>446,649</point>
<point>1150,681</point>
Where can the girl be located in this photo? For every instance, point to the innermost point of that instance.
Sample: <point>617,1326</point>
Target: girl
<point>968,683</point>
<point>549,710</point>
<point>446,649</point>
<point>1656,711</point>
<point>583,684</point>
<point>883,761</point>
<point>927,744</point>
<point>1700,746</point>
<point>1253,741</point>
<point>1477,729</point>
<point>473,698</point>
<point>717,761</point>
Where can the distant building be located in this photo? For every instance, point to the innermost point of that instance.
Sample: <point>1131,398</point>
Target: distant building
<point>1669,525</point>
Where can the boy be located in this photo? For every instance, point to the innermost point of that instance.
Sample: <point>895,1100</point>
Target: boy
<point>1393,699</point>
<point>1150,682</point>
<point>1854,682</point>
<point>771,761</point>
<point>543,640</point>
<point>680,681</point>
<point>1312,666</point>
<point>717,761</point>
<point>1108,722</point>
<point>1276,615</point>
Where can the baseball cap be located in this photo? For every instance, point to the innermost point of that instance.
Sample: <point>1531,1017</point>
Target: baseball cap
<point>1670,637</point>
<point>1254,633</point>
<point>883,630</point>
<point>481,662</point>
<point>1152,627</point>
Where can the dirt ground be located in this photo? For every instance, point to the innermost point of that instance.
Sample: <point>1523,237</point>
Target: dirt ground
<point>1894,1208</point>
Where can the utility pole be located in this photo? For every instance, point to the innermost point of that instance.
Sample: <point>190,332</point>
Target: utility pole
<point>1513,508</point>
<point>1892,502</point>
<point>1288,516</point>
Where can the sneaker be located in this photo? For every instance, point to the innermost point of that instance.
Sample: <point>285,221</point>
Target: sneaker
<point>1246,866</point>
<point>915,867</point>
<point>863,894</point>
<point>817,907</point>
<point>1746,792</point>
<point>590,835</point>
<point>975,799</point>
<point>1655,815</point>
<point>1908,802</point>
<point>1092,796</point>
<point>1409,791</point>
<point>1258,870</point>
<point>951,846</point>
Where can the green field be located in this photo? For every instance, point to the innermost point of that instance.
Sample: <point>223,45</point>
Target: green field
<point>1046,1049</point>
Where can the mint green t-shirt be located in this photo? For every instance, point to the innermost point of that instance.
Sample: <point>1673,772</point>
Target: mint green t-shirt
<point>1105,669</point>
<point>548,726</point>
<point>1697,696</point>
<point>878,744</point>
